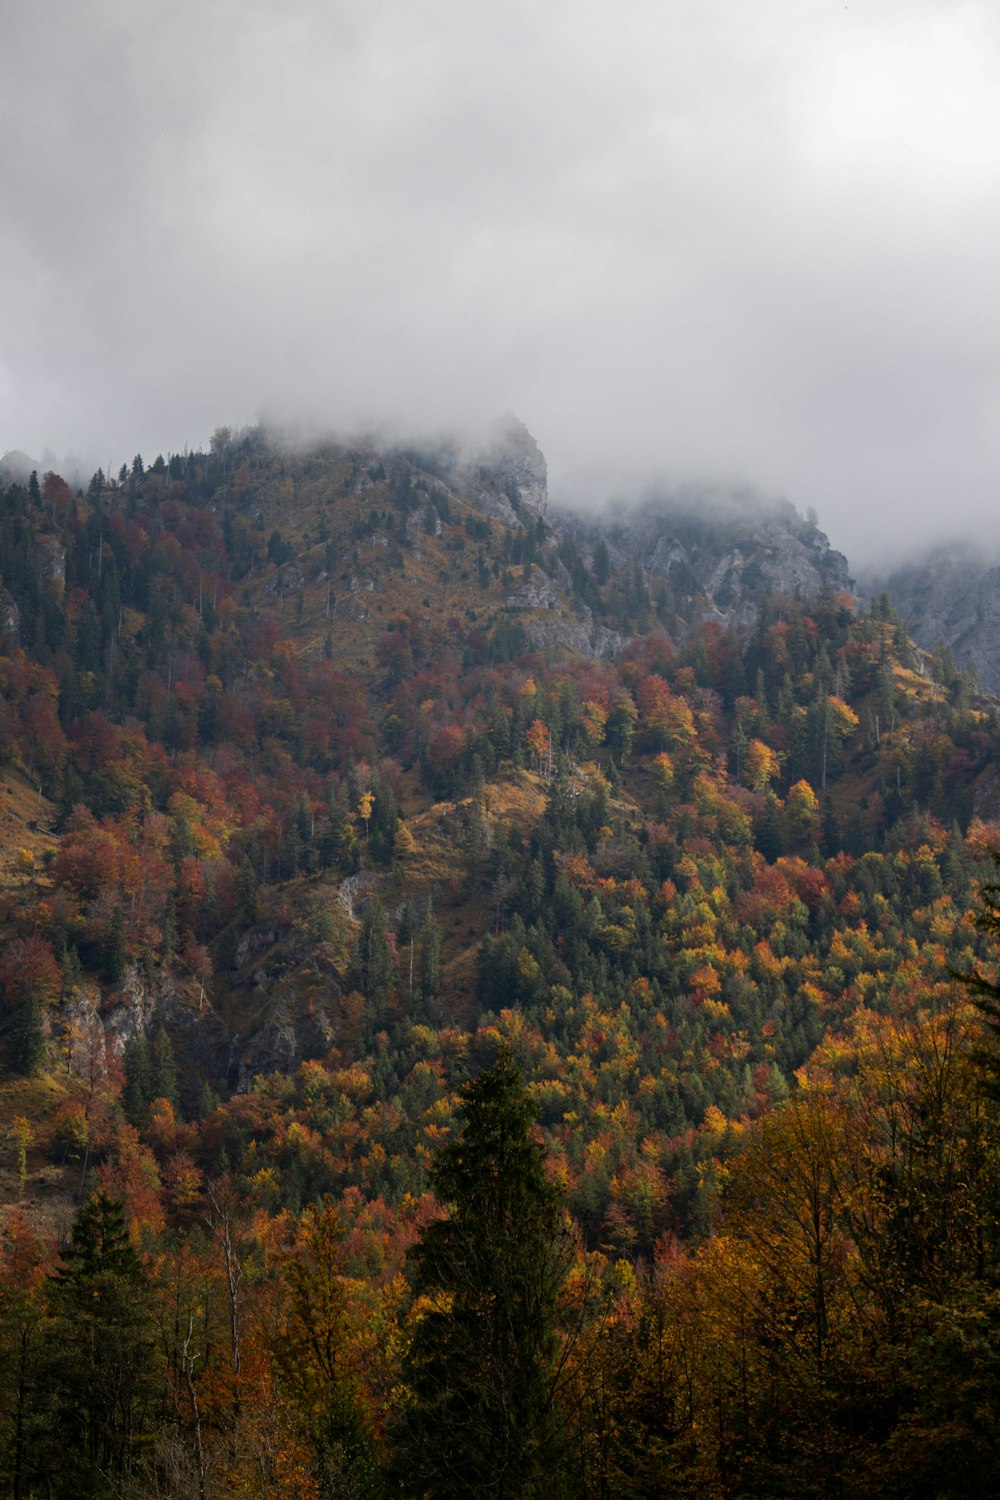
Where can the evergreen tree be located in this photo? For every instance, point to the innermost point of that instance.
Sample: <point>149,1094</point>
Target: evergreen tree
<point>114,948</point>
<point>168,941</point>
<point>767,828</point>
<point>373,956</point>
<point>24,1027</point>
<point>138,1078</point>
<point>246,886</point>
<point>405,934</point>
<point>162,1067</point>
<point>429,938</point>
<point>481,1367</point>
<point>382,832</point>
<point>103,1368</point>
<point>601,564</point>
<point>986,991</point>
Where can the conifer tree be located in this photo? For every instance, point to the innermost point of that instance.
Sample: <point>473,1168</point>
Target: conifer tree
<point>103,1356</point>
<point>481,1367</point>
<point>986,990</point>
<point>429,938</point>
<point>373,956</point>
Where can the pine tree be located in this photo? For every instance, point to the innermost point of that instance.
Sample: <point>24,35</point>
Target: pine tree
<point>373,958</point>
<point>162,1067</point>
<point>25,1034</point>
<point>481,1367</point>
<point>405,934</point>
<point>429,938</point>
<point>138,1085</point>
<point>114,949</point>
<point>246,886</point>
<point>103,1356</point>
<point>385,819</point>
<point>986,991</point>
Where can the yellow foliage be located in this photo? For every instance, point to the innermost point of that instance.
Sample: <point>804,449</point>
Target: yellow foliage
<point>715,1121</point>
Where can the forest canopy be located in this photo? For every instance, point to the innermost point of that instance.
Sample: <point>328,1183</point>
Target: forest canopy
<point>474,1017</point>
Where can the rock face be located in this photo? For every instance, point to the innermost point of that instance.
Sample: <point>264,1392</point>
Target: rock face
<point>719,555</point>
<point>534,591</point>
<point>16,467</point>
<point>50,560</point>
<point>954,597</point>
<point>10,617</point>
<point>516,459</point>
<point>554,626</point>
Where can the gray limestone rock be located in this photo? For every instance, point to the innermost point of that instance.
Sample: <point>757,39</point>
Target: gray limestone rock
<point>50,560</point>
<point>719,555</point>
<point>10,616</point>
<point>516,459</point>
<point>952,596</point>
<point>17,468</point>
<point>534,591</point>
<point>494,503</point>
<point>560,635</point>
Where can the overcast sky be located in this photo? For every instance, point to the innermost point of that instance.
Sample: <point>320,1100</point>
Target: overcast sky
<point>755,240</point>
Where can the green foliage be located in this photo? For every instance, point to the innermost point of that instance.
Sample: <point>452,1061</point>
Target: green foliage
<point>746,844</point>
<point>429,961</point>
<point>373,956</point>
<point>481,1366</point>
<point>25,1037</point>
<point>103,1357</point>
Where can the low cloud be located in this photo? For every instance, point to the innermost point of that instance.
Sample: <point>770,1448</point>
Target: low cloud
<point>710,240</point>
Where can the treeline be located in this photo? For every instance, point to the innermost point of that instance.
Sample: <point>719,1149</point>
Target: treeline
<point>709,894</point>
<point>834,1335</point>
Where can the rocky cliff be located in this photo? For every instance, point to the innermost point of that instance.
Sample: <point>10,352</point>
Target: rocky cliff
<point>719,554</point>
<point>951,596</point>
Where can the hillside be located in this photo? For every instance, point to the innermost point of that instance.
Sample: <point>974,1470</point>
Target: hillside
<point>950,600</point>
<point>327,769</point>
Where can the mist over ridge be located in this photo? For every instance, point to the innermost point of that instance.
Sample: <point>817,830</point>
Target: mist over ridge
<point>768,260</point>
<point>613,490</point>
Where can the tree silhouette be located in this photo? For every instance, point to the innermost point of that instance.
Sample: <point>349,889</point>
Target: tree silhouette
<point>481,1367</point>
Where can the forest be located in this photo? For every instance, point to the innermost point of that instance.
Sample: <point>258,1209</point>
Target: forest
<point>436,1059</point>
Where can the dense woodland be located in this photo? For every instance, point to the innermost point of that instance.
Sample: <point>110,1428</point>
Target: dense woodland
<point>438,1062</point>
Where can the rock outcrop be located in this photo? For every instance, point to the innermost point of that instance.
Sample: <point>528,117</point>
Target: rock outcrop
<point>519,466</point>
<point>951,596</point>
<point>10,617</point>
<point>719,555</point>
<point>50,560</point>
<point>17,468</point>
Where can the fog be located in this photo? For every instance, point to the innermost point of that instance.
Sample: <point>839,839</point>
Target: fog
<point>707,239</point>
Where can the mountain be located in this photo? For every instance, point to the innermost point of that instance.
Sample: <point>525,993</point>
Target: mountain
<point>16,467</point>
<point>262,607</point>
<point>719,554</point>
<point>951,599</point>
<point>326,771</point>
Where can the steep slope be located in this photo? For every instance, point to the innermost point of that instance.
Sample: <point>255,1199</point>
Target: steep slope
<point>951,598</point>
<point>312,730</point>
<point>715,554</point>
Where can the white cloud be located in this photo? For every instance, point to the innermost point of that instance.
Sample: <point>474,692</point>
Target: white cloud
<point>749,241</point>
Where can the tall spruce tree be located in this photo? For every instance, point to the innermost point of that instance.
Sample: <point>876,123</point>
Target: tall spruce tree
<point>103,1357</point>
<point>986,991</point>
<point>481,1368</point>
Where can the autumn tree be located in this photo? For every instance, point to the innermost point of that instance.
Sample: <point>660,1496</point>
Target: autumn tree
<point>23,1335</point>
<point>314,1350</point>
<point>760,766</point>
